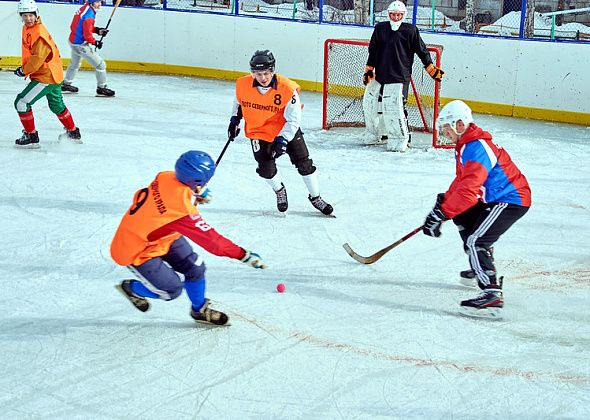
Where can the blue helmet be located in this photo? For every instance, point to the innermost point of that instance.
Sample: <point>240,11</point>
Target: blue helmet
<point>194,168</point>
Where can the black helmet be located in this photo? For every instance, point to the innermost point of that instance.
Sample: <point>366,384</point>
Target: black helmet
<point>262,60</point>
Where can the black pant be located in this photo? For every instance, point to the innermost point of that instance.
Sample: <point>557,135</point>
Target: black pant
<point>296,149</point>
<point>480,227</point>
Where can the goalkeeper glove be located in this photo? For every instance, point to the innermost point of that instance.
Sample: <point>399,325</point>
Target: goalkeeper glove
<point>369,75</point>
<point>435,72</point>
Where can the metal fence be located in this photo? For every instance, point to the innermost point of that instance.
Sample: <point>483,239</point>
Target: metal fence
<point>524,19</point>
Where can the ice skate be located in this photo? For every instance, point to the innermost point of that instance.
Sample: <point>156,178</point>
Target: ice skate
<point>319,203</point>
<point>104,91</point>
<point>28,141</point>
<point>209,316</point>
<point>66,87</point>
<point>468,278</point>
<point>139,302</point>
<point>282,203</point>
<point>488,304</point>
<point>73,135</point>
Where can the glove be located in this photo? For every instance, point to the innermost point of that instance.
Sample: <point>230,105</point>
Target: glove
<point>101,31</point>
<point>435,72</point>
<point>253,259</point>
<point>434,221</point>
<point>369,75</point>
<point>234,127</point>
<point>19,72</point>
<point>440,197</point>
<point>279,147</point>
<point>98,45</point>
<point>203,195</point>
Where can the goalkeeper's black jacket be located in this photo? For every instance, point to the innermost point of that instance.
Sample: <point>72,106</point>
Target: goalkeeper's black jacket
<point>391,52</point>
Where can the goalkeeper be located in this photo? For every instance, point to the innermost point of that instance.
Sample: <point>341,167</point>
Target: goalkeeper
<point>387,77</point>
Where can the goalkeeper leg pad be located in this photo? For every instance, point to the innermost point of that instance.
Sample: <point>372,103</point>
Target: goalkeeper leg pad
<point>394,117</point>
<point>371,107</point>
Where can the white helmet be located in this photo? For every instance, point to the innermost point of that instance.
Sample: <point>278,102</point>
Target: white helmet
<point>396,7</point>
<point>453,112</point>
<point>28,6</point>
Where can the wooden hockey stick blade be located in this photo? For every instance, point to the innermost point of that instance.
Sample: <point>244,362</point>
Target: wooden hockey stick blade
<point>377,255</point>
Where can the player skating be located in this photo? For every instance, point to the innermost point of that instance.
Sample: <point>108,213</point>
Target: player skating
<point>41,63</point>
<point>150,240</point>
<point>387,77</point>
<point>488,194</point>
<point>271,108</point>
<point>83,45</point>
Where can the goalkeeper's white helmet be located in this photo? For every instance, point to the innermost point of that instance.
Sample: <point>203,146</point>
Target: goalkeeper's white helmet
<point>396,7</point>
<point>28,6</point>
<point>453,112</point>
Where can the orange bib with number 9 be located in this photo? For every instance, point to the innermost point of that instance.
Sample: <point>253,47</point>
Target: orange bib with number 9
<point>165,200</point>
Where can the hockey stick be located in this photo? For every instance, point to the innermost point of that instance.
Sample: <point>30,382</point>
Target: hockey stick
<point>376,256</point>
<point>109,22</point>
<point>229,140</point>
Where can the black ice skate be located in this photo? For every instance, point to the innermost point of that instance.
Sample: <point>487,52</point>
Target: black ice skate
<point>104,91</point>
<point>209,316</point>
<point>66,87</point>
<point>139,302</point>
<point>74,136</point>
<point>282,203</point>
<point>27,141</point>
<point>319,203</point>
<point>468,278</point>
<point>488,304</point>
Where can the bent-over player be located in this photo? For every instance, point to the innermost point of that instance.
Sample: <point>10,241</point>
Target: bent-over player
<point>151,240</point>
<point>488,194</point>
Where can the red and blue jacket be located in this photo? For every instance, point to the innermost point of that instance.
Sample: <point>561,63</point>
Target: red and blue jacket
<point>484,172</point>
<point>82,26</point>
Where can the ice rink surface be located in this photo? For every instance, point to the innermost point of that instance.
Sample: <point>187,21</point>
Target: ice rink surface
<point>345,341</point>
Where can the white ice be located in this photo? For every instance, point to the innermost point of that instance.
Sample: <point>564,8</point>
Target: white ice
<point>345,341</point>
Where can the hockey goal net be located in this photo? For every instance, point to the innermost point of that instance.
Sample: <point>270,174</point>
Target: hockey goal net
<point>344,65</point>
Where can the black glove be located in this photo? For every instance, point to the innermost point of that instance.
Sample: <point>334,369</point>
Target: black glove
<point>234,127</point>
<point>440,197</point>
<point>101,31</point>
<point>279,147</point>
<point>434,221</point>
<point>98,45</point>
<point>19,72</point>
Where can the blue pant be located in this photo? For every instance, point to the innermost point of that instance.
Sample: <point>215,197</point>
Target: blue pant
<point>159,279</point>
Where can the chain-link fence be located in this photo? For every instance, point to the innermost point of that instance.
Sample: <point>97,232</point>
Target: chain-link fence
<point>534,19</point>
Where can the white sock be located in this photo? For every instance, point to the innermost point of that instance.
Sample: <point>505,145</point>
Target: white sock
<point>311,182</point>
<point>275,182</point>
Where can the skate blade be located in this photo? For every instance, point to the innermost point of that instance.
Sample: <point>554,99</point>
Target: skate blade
<point>210,324</point>
<point>471,283</point>
<point>65,137</point>
<point>27,146</point>
<point>120,289</point>
<point>485,313</point>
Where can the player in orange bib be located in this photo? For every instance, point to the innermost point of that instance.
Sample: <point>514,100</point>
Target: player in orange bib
<point>41,63</point>
<point>271,108</point>
<point>150,239</point>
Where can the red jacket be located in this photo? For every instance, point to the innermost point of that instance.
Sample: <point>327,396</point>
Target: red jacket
<point>484,172</point>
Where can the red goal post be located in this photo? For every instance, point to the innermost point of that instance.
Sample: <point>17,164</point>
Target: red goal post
<point>342,104</point>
